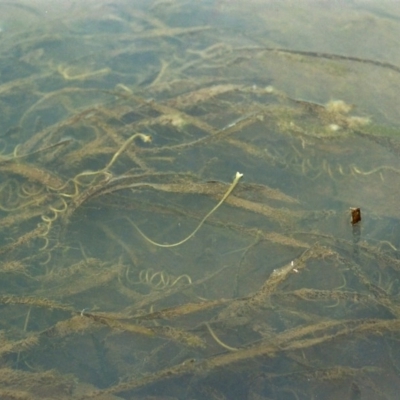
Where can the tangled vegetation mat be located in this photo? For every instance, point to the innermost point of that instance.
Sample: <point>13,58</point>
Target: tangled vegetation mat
<point>175,210</point>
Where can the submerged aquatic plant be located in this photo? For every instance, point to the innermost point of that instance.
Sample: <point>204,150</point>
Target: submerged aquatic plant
<point>128,261</point>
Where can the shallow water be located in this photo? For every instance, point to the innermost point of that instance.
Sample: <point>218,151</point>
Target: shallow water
<point>273,292</point>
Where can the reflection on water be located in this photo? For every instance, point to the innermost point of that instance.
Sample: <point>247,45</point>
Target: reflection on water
<point>136,264</point>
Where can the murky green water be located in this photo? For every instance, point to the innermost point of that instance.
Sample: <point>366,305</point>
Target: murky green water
<point>137,262</point>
